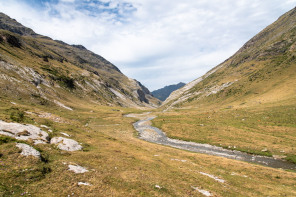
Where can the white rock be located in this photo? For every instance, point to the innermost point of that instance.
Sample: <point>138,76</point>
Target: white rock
<point>23,132</point>
<point>158,187</point>
<point>65,134</point>
<point>84,183</point>
<point>28,150</point>
<point>66,144</point>
<point>213,177</point>
<point>204,192</point>
<point>62,105</point>
<point>77,169</point>
<point>44,126</point>
<point>38,142</point>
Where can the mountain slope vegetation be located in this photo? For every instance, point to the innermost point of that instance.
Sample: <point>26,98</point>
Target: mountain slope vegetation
<point>247,103</point>
<point>262,71</point>
<point>45,71</point>
<point>70,94</point>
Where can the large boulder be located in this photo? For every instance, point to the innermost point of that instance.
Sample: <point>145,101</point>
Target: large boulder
<point>28,150</point>
<point>66,144</point>
<point>24,132</point>
<point>77,169</point>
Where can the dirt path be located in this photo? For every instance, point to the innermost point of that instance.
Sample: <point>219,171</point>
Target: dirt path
<point>155,135</point>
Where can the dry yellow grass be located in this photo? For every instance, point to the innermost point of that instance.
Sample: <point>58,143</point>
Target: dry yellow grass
<point>121,165</point>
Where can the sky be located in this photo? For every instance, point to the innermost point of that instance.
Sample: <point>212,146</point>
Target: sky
<point>157,42</point>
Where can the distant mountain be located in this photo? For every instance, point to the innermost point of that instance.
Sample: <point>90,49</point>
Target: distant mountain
<point>51,72</point>
<point>165,92</point>
<point>262,71</point>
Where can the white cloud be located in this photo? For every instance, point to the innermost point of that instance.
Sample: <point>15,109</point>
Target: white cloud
<point>156,42</point>
<point>68,1</point>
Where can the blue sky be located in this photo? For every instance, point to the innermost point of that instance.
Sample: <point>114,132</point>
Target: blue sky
<point>156,42</point>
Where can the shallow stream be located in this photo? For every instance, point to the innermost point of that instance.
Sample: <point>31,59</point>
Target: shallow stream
<point>155,135</point>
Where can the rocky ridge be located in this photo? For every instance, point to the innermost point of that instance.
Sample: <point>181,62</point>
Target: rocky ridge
<point>50,72</point>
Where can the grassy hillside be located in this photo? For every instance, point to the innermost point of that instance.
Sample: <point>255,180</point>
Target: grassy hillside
<point>246,103</point>
<point>36,67</point>
<point>262,71</point>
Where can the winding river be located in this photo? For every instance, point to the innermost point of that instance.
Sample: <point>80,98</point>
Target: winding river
<point>155,135</point>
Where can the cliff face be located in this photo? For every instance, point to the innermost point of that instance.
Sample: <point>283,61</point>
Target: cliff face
<point>33,64</point>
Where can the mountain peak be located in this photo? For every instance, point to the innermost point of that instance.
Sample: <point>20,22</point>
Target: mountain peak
<point>12,25</point>
<point>164,93</point>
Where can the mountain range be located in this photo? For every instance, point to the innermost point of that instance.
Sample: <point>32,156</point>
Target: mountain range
<point>69,120</point>
<point>51,72</point>
<point>164,93</point>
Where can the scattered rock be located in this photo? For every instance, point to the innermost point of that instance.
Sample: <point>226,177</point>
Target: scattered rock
<point>24,132</point>
<point>179,160</point>
<point>213,177</point>
<point>235,174</point>
<point>77,169</point>
<point>66,144</point>
<point>44,126</point>
<point>62,105</point>
<point>28,150</point>
<point>279,156</point>
<point>65,134</point>
<point>84,183</point>
<point>204,192</point>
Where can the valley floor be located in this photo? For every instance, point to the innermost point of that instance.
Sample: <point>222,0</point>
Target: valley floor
<point>155,135</point>
<point>120,164</point>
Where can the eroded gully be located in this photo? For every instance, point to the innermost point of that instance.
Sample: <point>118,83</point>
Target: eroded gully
<point>155,135</point>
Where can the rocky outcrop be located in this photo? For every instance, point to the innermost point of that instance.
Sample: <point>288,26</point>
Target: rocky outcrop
<point>28,150</point>
<point>66,144</point>
<point>77,169</point>
<point>12,25</point>
<point>24,132</point>
<point>57,67</point>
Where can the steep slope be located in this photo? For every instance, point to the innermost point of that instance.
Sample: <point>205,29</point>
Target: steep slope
<point>45,71</point>
<point>164,93</point>
<point>247,103</point>
<point>262,71</point>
